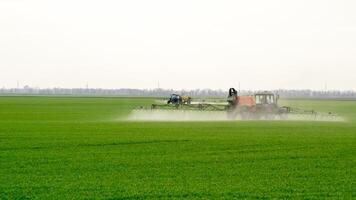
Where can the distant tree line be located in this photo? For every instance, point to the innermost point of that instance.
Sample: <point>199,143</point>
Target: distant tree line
<point>166,92</point>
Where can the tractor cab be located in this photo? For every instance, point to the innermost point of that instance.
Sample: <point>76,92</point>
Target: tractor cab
<point>266,98</point>
<point>174,99</point>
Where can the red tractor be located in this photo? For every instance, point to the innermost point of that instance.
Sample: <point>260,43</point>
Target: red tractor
<point>260,105</point>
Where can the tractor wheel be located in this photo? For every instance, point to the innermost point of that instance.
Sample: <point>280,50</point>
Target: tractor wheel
<point>246,116</point>
<point>283,116</point>
<point>232,114</point>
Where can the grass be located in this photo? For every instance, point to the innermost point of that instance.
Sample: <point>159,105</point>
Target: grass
<point>78,148</point>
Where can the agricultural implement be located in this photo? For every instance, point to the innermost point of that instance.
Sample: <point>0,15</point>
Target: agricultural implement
<point>176,99</point>
<point>261,105</point>
<point>178,102</point>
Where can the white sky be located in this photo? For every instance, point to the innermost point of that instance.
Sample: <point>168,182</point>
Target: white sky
<point>189,44</point>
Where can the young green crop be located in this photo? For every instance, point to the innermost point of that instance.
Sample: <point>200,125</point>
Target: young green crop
<point>79,148</point>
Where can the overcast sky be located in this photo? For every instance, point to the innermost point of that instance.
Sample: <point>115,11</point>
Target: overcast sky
<point>180,44</point>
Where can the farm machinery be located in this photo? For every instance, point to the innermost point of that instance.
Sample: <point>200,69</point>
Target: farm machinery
<point>178,102</point>
<point>261,105</point>
<point>176,99</point>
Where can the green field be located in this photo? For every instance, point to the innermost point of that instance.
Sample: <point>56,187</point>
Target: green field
<point>79,148</point>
